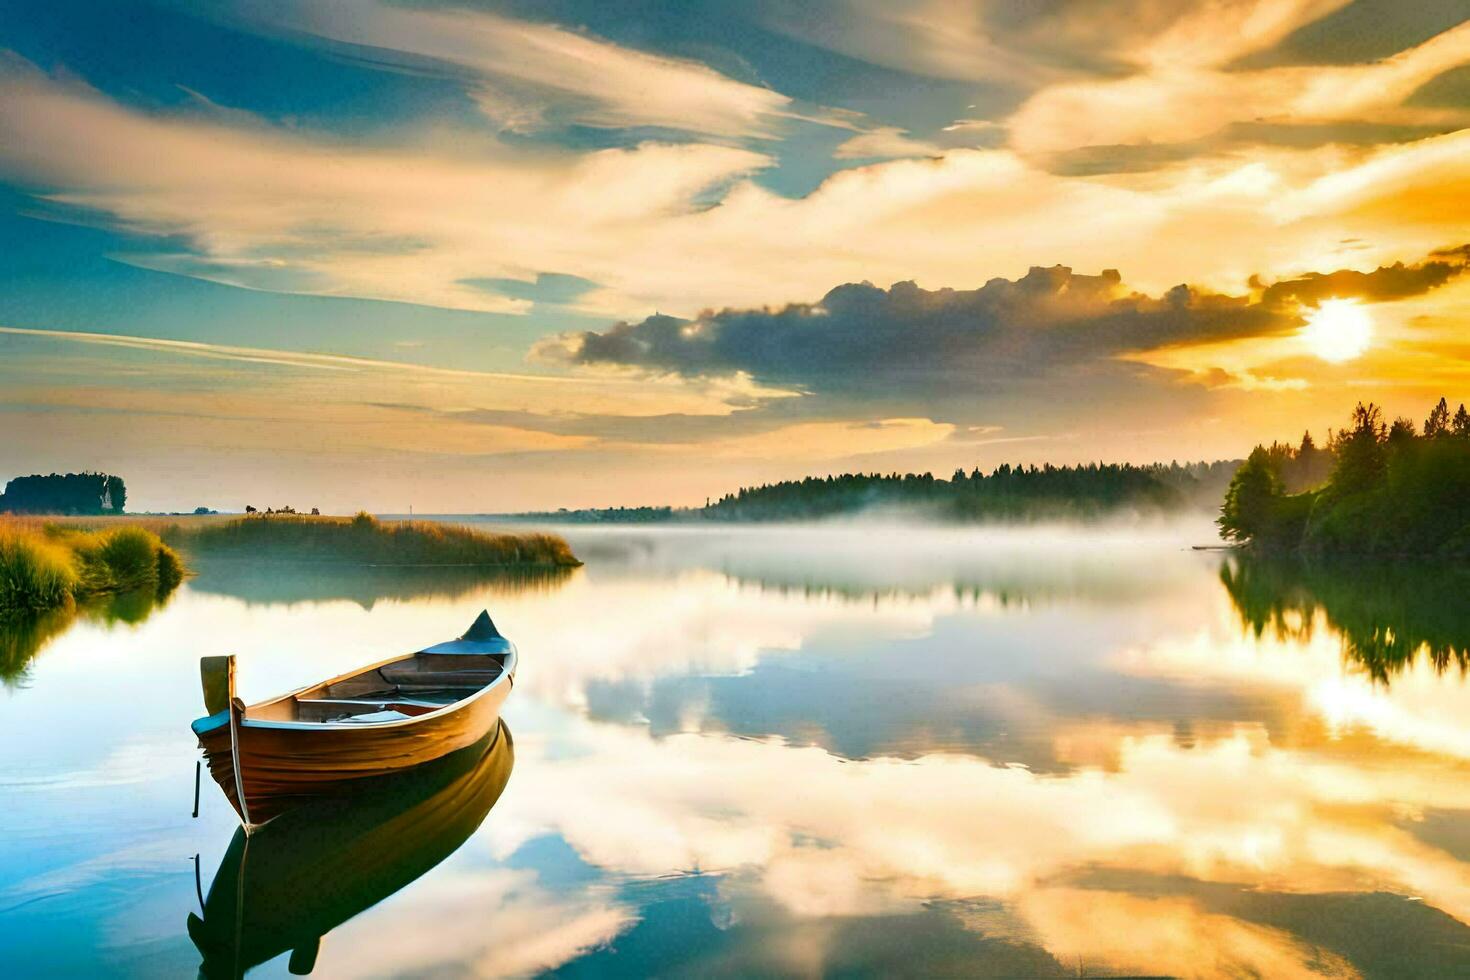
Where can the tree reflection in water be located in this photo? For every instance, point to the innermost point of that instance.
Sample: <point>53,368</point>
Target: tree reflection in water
<point>23,637</point>
<point>288,582</point>
<point>1387,613</point>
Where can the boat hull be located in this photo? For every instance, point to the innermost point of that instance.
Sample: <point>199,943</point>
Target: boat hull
<point>308,872</point>
<point>283,766</point>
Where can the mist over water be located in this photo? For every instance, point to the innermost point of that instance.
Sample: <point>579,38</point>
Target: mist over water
<point>886,555</point>
<point>877,747</point>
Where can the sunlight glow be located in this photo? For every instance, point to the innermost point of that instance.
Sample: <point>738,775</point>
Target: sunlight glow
<point>1338,330</point>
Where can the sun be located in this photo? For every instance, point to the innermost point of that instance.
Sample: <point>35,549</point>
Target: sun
<point>1338,330</point>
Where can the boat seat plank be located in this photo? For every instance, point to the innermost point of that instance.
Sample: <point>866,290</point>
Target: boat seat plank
<point>373,717</point>
<point>372,702</point>
<point>364,709</point>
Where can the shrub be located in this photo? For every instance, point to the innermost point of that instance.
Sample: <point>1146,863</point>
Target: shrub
<point>169,568</point>
<point>366,540</point>
<point>35,573</point>
<point>52,566</point>
<point>131,557</point>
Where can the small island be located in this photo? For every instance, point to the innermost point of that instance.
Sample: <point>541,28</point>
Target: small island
<point>57,562</point>
<point>366,540</point>
<point>1377,488</point>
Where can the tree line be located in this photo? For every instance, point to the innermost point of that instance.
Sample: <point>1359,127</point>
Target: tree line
<point>1006,492</point>
<point>65,493</point>
<point>1378,487</point>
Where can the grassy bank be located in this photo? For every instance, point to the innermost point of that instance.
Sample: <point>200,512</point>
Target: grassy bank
<point>366,540</point>
<point>51,566</point>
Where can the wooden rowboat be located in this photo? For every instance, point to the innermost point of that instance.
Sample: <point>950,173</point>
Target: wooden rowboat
<point>323,740</point>
<point>288,885</point>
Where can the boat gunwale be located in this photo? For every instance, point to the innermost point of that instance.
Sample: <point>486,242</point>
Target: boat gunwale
<point>507,675</point>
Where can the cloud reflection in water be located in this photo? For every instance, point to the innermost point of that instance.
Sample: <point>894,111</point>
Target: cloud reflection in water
<point>801,751</point>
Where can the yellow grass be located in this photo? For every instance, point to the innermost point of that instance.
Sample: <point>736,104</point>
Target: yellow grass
<point>366,540</point>
<point>46,565</point>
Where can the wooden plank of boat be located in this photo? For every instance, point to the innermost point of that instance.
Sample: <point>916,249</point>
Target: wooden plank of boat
<point>323,739</point>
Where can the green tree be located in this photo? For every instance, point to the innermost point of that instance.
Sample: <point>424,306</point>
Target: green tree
<point>1361,459</point>
<point>1438,423</point>
<point>117,493</point>
<point>1250,501</point>
<point>1402,432</point>
<point>1461,424</point>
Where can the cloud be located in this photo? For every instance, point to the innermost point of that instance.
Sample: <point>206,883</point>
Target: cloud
<point>1073,77</point>
<point>1032,45</point>
<point>284,358</point>
<point>342,425</point>
<point>524,73</point>
<point>1398,281</point>
<point>885,142</point>
<point>950,39</point>
<point>859,336</point>
<point>825,441</point>
<point>522,928</point>
<point>431,217</point>
<point>1185,92</point>
<point>1215,34</point>
<point>651,812</point>
<point>272,209</point>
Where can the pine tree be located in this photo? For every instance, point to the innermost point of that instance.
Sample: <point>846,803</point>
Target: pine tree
<point>1249,502</point>
<point>1438,423</point>
<point>1360,455</point>
<point>1401,432</point>
<point>1461,424</point>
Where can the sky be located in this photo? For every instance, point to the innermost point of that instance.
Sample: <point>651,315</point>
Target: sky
<point>505,256</point>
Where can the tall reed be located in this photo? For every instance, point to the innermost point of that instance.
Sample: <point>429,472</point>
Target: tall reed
<point>366,540</point>
<point>35,573</point>
<point>49,566</point>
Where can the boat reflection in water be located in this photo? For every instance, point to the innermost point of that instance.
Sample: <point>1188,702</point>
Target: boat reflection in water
<point>312,869</point>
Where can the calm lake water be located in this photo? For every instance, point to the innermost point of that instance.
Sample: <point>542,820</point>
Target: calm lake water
<point>784,751</point>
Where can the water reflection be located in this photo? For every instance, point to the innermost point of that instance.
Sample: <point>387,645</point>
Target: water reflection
<point>23,637</point>
<point>1000,565</point>
<point>747,755</point>
<point>310,870</point>
<point>266,582</point>
<point>1386,612</point>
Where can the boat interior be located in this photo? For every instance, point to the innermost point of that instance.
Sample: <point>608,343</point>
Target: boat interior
<point>403,688</point>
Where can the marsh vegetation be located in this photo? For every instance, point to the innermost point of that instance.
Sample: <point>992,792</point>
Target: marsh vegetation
<point>368,541</point>
<point>51,574</point>
<point>51,566</point>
